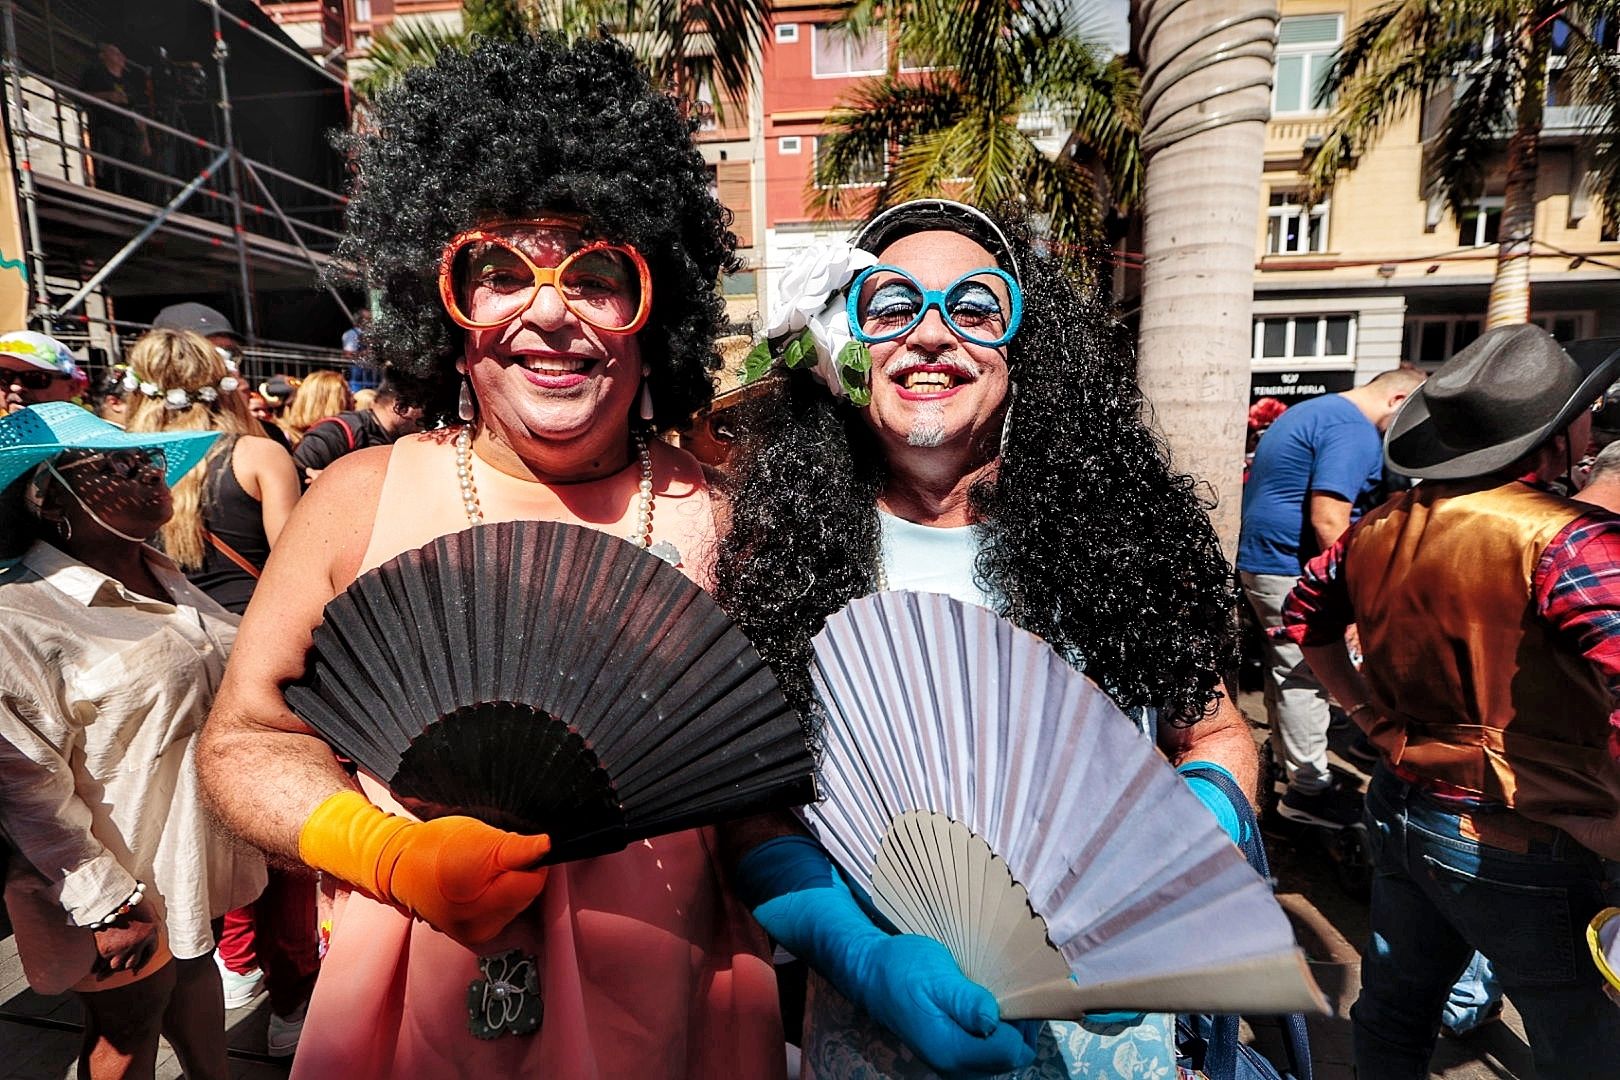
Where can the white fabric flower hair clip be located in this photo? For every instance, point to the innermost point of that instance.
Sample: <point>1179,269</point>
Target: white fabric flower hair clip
<point>809,326</point>
<point>178,397</point>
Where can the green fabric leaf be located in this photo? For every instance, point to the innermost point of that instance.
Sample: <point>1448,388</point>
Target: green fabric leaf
<point>800,351</point>
<point>854,364</point>
<point>757,363</point>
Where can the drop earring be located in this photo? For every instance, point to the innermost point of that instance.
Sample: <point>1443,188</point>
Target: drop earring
<point>1006,420</point>
<point>646,394</point>
<point>464,404</point>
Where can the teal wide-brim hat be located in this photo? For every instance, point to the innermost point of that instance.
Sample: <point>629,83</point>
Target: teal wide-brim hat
<point>39,432</point>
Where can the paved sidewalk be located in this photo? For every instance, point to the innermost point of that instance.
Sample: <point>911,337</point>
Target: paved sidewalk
<point>39,1036</point>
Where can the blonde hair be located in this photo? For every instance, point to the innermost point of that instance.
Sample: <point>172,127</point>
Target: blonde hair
<point>322,394</point>
<point>365,399</point>
<point>182,360</point>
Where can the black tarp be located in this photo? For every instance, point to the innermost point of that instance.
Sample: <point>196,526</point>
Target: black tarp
<point>284,108</point>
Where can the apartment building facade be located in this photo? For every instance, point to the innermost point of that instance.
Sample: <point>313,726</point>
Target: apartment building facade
<point>1381,273</point>
<point>1377,275</point>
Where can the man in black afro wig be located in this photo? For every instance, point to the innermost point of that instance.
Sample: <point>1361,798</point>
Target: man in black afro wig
<point>510,129</point>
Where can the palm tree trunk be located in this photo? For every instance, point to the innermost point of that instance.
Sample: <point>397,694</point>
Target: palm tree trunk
<point>1200,208</point>
<point>1510,288</point>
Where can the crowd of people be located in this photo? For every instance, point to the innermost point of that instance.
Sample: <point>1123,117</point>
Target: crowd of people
<point>951,408</point>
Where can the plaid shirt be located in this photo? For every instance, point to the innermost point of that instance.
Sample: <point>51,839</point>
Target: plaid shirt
<point>1576,588</point>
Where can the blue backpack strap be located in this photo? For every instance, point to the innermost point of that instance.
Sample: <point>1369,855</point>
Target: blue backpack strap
<point>1224,1040</point>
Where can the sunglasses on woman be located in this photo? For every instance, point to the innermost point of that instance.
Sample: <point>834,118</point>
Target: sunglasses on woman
<point>972,306</point>
<point>32,379</point>
<point>122,464</point>
<point>493,274</point>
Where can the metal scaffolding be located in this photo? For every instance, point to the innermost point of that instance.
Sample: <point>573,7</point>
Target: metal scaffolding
<point>81,191</point>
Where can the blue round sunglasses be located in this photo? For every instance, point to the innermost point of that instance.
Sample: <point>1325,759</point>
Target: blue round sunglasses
<point>969,307</point>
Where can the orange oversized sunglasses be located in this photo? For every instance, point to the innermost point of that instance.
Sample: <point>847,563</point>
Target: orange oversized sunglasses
<point>486,279</point>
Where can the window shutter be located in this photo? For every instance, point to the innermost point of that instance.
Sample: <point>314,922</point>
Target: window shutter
<point>736,194</point>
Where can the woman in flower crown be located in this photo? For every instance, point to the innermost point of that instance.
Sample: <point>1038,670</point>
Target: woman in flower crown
<point>228,510</point>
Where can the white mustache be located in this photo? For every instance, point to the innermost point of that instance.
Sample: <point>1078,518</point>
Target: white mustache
<point>958,362</point>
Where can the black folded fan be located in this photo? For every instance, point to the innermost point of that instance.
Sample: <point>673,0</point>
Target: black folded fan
<point>551,678</point>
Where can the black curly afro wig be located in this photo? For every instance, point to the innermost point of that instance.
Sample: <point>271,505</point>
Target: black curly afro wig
<point>510,129</point>
<point>1090,539</point>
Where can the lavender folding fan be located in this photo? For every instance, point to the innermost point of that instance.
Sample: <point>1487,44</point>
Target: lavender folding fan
<point>987,795</point>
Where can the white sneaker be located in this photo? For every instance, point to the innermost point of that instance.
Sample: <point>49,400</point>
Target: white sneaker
<point>282,1038</point>
<point>239,989</point>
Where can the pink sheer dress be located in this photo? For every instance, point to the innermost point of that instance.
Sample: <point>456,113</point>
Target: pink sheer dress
<point>648,966</point>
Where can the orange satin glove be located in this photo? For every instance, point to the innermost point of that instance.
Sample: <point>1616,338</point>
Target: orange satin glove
<point>456,874</point>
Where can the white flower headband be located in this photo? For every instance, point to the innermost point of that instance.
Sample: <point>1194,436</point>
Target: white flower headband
<point>809,327</point>
<point>179,397</point>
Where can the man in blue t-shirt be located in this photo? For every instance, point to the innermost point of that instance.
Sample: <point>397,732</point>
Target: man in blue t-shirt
<point>1314,470</point>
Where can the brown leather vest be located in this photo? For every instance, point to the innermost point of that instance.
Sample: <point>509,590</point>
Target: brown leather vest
<point>1475,689</point>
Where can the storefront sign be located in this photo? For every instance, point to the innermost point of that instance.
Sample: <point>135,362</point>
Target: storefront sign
<point>1289,387</point>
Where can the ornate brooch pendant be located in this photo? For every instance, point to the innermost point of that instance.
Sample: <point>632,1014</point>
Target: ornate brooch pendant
<point>506,1001</point>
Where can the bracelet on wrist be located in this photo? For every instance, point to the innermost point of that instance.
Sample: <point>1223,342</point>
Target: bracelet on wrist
<point>129,905</point>
<point>1357,707</point>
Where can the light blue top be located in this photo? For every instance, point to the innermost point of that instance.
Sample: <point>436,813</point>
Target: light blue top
<point>921,558</point>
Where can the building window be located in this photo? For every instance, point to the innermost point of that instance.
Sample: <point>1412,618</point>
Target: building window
<point>787,33</point>
<point>868,172</point>
<point>1291,229</point>
<point>742,283</point>
<point>362,11</point>
<point>1305,48</point>
<point>1305,337</point>
<point>1565,326</point>
<point>1480,223</point>
<point>837,54</point>
<point>788,144</point>
<point>1432,340</point>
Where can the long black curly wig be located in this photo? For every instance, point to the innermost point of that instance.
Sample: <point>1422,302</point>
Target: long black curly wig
<point>1090,539</point>
<point>509,129</point>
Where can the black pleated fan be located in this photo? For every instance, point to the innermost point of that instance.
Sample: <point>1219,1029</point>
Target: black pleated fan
<point>551,678</point>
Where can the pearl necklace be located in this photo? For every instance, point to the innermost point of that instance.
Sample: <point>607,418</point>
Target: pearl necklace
<point>642,537</point>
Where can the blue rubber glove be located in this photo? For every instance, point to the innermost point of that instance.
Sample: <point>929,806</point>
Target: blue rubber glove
<point>1236,825</point>
<point>907,983</point>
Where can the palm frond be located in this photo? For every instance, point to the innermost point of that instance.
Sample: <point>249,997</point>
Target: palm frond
<point>880,114</point>
<point>935,163</point>
<point>687,43</point>
<point>404,46</point>
<point>1592,68</point>
<point>996,61</point>
<point>1479,121</point>
<point>1004,156</point>
<point>1403,52</point>
<point>1103,106</point>
<point>1068,196</point>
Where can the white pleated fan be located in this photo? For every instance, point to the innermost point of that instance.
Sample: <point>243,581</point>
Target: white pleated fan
<point>987,795</point>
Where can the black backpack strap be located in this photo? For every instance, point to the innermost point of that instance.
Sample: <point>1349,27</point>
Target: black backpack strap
<point>1221,1059</point>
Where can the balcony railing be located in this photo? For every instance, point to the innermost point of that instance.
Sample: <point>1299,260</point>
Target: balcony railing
<point>61,125</point>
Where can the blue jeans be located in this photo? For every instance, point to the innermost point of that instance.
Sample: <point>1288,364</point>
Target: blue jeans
<point>1474,999</point>
<point>1437,896</point>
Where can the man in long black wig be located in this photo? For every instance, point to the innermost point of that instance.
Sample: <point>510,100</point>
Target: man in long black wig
<point>990,443</point>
